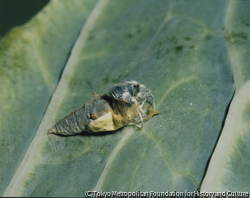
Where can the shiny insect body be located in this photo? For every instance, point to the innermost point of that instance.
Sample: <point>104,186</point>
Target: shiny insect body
<point>101,113</point>
<point>133,92</point>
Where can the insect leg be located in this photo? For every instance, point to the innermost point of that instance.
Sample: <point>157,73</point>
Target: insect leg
<point>133,124</point>
<point>137,121</point>
<point>141,120</point>
<point>143,101</point>
<point>140,127</point>
<point>151,95</point>
<point>140,106</point>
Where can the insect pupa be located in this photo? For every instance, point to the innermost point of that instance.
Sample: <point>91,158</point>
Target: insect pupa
<point>101,113</point>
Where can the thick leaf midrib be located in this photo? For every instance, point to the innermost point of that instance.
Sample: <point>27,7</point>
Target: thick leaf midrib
<point>229,131</point>
<point>227,140</point>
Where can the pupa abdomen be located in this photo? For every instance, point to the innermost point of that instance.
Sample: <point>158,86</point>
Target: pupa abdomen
<point>101,113</point>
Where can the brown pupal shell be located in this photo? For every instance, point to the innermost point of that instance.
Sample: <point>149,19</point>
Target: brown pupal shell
<point>101,113</point>
<point>149,111</point>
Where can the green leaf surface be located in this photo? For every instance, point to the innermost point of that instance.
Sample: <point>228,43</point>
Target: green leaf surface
<point>191,54</point>
<point>31,60</point>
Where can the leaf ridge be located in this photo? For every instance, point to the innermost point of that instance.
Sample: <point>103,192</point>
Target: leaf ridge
<point>32,157</point>
<point>163,152</point>
<point>42,66</point>
<point>233,53</point>
<point>178,83</point>
<point>128,133</point>
<point>165,21</point>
